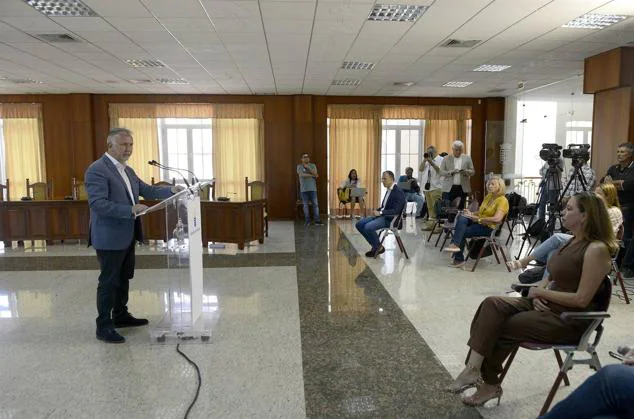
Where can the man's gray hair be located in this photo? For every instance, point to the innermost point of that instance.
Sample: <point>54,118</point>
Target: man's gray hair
<point>458,144</point>
<point>629,146</point>
<point>116,132</point>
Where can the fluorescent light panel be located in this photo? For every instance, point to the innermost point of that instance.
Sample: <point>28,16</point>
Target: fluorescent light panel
<point>349,83</point>
<point>594,21</point>
<point>138,63</point>
<point>491,67</point>
<point>396,12</point>
<point>172,81</point>
<point>457,83</point>
<point>357,65</point>
<point>61,8</point>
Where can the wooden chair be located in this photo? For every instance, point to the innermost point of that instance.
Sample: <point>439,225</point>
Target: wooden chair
<point>39,191</point>
<point>5,196</point>
<point>79,191</point>
<point>595,328</point>
<point>164,183</point>
<point>207,191</point>
<point>256,190</point>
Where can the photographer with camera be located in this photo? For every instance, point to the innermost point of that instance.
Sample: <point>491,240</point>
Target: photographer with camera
<point>550,186</point>
<point>430,168</point>
<point>622,176</point>
<point>456,169</point>
<point>580,177</point>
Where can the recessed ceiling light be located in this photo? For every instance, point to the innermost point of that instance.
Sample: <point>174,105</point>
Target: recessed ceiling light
<point>61,8</point>
<point>357,65</point>
<point>491,67</point>
<point>404,83</point>
<point>138,63</point>
<point>594,21</point>
<point>396,12</point>
<point>457,83</point>
<point>24,81</point>
<point>172,81</point>
<point>346,82</point>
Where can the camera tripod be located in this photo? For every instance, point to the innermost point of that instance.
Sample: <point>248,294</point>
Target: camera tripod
<point>577,176</point>
<point>550,189</point>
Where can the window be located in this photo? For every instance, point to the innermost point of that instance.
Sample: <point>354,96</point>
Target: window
<point>578,132</point>
<point>186,143</point>
<point>401,146</point>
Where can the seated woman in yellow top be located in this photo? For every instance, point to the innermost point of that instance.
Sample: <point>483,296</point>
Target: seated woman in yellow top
<point>492,212</point>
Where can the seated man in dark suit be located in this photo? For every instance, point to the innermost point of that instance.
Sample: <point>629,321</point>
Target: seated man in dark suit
<point>393,204</point>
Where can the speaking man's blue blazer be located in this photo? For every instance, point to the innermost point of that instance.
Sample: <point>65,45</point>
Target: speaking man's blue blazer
<point>395,203</point>
<point>112,224</point>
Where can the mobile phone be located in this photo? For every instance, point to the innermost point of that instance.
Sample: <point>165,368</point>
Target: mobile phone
<point>616,355</point>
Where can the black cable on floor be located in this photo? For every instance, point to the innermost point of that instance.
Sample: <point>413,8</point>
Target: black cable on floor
<point>199,379</point>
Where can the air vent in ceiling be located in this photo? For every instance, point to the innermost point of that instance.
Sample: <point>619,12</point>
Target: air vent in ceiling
<point>172,81</point>
<point>56,37</point>
<point>457,43</point>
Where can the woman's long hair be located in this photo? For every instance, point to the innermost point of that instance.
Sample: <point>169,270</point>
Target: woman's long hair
<point>611,196</point>
<point>597,225</point>
<point>350,174</point>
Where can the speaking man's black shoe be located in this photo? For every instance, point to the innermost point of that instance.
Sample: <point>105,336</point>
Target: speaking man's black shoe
<point>129,321</point>
<point>110,336</point>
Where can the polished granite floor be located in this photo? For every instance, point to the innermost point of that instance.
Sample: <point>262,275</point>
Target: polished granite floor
<point>306,327</point>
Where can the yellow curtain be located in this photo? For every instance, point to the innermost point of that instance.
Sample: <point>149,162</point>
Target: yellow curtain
<point>24,153</point>
<point>238,152</point>
<point>442,133</point>
<point>460,113</point>
<point>355,144</point>
<point>146,147</point>
<point>185,110</point>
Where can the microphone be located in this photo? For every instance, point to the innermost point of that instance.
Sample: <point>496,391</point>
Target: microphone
<point>159,165</point>
<point>194,177</point>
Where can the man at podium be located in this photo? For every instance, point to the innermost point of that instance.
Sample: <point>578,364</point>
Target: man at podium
<point>113,196</point>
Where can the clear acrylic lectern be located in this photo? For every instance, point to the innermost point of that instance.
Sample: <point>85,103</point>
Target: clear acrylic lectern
<point>184,318</point>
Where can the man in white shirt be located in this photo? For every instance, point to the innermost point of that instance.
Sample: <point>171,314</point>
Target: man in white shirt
<point>432,189</point>
<point>456,169</point>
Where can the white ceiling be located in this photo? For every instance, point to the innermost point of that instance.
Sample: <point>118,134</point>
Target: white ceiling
<point>298,46</point>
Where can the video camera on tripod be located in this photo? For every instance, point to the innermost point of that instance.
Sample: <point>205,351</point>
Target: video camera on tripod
<point>579,153</point>
<point>550,153</point>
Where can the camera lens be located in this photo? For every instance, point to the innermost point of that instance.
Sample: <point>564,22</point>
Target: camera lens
<point>425,155</point>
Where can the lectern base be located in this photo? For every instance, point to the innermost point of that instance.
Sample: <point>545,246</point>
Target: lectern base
<point>172,332</point>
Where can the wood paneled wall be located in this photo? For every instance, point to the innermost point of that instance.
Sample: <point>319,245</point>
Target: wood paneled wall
<point>75,128</point>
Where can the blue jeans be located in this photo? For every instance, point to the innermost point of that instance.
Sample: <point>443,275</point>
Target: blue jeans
<point>465,228</point>
<point>607,394</point>
<point>545,250</point>
<point>310,196</point>
<point>368,226</point>
<point>420,201</point>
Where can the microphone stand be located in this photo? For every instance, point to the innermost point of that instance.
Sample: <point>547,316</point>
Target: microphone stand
<point>160,166</point>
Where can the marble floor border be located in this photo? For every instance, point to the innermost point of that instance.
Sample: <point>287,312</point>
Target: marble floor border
<point>89,262</point>
<point>361,356</point>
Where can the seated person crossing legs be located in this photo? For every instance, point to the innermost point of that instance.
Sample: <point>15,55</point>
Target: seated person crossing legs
<point>413,192</point>
<point>576,272</point>
<point>494,208</point>
<point>392,206</point>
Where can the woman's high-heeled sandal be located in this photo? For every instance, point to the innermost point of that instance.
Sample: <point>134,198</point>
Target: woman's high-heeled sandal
<point>458,387</point>
<point>478,400</point>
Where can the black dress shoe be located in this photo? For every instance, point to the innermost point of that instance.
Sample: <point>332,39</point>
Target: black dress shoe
<point>381,250</point>
<point>370,254</point>
<point>375,253</point>
<point>129,321</point>
<point>110,336</point>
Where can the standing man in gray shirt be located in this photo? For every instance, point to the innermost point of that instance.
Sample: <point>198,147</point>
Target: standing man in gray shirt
<point>308,175</point>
